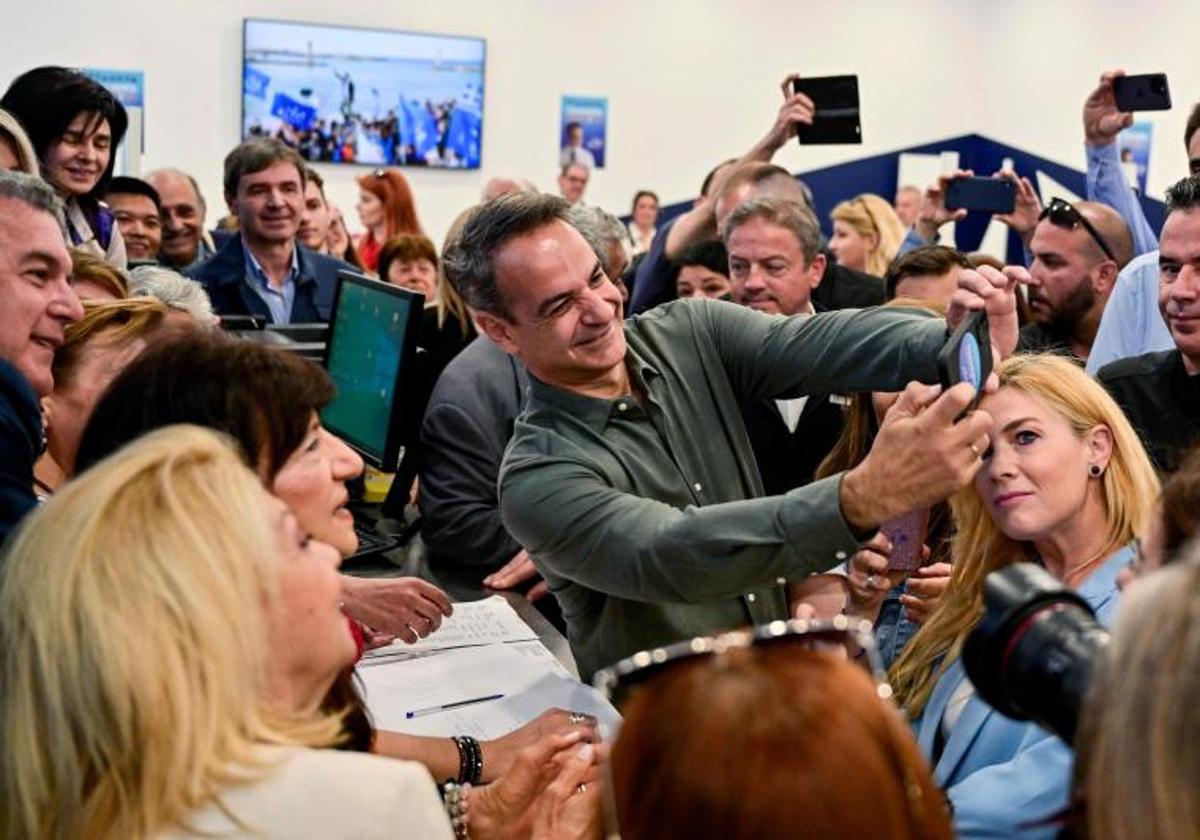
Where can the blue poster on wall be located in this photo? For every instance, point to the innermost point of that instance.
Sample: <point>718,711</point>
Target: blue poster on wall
<point>129,87</point>
<point>1134,144</point>
<point>582,131</point>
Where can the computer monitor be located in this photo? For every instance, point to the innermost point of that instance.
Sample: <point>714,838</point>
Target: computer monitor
<point>370,356</point>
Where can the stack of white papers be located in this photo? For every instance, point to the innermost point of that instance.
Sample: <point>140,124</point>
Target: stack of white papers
<point>484,650</point>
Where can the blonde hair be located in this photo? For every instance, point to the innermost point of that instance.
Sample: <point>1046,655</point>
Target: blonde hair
<point>449,301</point>
<point>88,267</point>
<point>27,159</point>
<point>1129,489</point>
<point>114,322</point>
<point>134,637</point>
<point>1139,746</point>
<point>872,215</point>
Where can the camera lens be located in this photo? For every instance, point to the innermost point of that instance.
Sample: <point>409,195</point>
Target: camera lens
<point>1031,655</point>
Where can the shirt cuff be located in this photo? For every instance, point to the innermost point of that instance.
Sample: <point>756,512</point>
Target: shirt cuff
<point>818,533</point>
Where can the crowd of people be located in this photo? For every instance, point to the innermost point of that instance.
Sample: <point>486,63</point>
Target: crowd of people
<point>659,433</point>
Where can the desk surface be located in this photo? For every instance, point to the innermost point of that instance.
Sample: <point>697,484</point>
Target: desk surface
<point>410,560</point>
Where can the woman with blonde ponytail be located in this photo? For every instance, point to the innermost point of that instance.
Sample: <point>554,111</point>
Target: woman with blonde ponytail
<point>1065,482</point>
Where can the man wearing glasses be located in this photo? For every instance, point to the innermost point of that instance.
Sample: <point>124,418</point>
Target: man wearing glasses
<point>1078,251</point>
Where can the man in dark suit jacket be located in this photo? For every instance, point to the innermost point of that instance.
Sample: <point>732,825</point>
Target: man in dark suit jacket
<point>262,271</point>
<point>775,264</point>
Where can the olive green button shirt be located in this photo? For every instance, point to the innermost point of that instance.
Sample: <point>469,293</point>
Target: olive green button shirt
<point>647,518</point>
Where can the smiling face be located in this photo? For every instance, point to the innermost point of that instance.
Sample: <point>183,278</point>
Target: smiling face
<point>850,247</point>
<point>182,217</point>
<point>307,633</point>
<point>269,203</point>
<point>700,281</point>
<point>75,164</point>
<point>36,298</point>
<point>140,224</point>
<point>645,212</point>
<point>1179,282</point>
<point>313,484</point>
<point>565,315</point>
<point>767,269</point>
<point>1035,481</point>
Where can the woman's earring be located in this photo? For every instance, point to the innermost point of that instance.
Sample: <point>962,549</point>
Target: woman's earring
<point>1095,470</point>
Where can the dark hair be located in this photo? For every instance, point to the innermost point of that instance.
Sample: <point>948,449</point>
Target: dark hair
<point>125,185</point>
<point>407,247</point>
<point>1184,194</point>
<point>712,173</point>
<point>260,397</point>
<point>572,125</point>
<point>639,195</point>
<point>1181,505</point>
<point>46,99</point>
<point>255,156</point>
<point>931,260</point>
<point>467,260</point>
<point>313,177</point>
<point>1193,124</point>
<point>710,254</point>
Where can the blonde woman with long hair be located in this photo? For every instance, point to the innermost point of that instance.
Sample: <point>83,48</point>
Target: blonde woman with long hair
<point>866,234</point>
<point>169,632</point>
<point>1064,482</point>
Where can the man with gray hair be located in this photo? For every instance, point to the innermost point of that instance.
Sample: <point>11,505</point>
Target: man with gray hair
<point>37,302</point>
<point>607,237</point>
<point>177,292</point>
<point>185,243</point>
<point>629,478</point>
<point>775,262</point>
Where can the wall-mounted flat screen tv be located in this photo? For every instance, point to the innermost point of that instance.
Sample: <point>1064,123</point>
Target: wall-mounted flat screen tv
<point>369,96</point>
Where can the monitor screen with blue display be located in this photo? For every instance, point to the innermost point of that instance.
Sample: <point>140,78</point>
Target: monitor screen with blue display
<point>369,355</point>
<point>378,97</point>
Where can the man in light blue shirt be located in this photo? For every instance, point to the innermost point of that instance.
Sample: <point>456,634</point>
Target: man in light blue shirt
<point>278,299</point>
<point>1132,324</point>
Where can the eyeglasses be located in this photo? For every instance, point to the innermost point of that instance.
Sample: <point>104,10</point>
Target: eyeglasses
<point>840,637</point>
<point>1062,214</point>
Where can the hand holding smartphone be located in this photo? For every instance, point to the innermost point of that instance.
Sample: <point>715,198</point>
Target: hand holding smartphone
<point>1148,92</point>
<point>907,536</point>
<point>967,356</point>
<point>992,195</point>
<point>835,110</point>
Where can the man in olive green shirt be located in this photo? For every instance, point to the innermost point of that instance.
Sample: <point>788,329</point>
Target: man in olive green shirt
<point>629,477</point>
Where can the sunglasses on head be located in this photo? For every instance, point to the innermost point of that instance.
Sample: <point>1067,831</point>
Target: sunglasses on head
<point>1062,214</point>
<point>840,636</point>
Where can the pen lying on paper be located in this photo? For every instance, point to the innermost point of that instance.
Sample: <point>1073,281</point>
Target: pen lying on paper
<point>422,712</point>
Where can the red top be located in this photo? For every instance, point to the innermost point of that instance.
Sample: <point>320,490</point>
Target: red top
<point>368,251</point>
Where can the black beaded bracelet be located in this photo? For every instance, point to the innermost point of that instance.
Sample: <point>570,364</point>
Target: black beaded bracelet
<point>470,760</point>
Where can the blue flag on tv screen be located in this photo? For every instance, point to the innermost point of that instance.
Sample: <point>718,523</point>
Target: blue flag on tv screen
<point>294,113</point>
<point>255,82</point>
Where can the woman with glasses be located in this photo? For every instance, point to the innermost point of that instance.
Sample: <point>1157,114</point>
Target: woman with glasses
<point>1065,482</point>
<point>385,208</point>
<point>778,735</point>
<point>866,234</point>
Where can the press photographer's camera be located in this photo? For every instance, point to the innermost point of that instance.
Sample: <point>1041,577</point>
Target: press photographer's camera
<point>1031,656</point>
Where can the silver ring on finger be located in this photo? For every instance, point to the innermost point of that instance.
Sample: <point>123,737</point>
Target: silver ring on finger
<point>870,581</point>
<point>576,718</point>
<point>581,787</point>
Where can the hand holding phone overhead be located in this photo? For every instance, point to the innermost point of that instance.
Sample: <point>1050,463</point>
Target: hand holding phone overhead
<point>835,117</point>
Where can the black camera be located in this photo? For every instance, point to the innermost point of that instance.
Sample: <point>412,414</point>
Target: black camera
<point>1031,656</point>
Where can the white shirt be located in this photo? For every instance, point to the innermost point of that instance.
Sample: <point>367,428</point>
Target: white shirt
<point>790,410</point>
<point>576,154</point>
<point>324,794</point>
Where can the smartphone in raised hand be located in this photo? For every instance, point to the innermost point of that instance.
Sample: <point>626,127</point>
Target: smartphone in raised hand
<point>835,110</point>
<point>1148,92</point>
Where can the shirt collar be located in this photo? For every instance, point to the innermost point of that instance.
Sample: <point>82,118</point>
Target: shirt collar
<point>595,411</point>
<point>1101,583</point>
<point>255,270</point>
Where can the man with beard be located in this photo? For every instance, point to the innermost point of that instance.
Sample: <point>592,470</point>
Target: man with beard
<point>1160,392</point>
<point>1078,250</point>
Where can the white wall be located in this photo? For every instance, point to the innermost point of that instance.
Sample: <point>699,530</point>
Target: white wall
<point>689,81</point>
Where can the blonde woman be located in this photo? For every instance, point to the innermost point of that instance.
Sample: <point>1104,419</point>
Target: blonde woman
<point>169,634</point>
<point>1064,482</point>
<point>866,234</point>
<point>1139,743</point>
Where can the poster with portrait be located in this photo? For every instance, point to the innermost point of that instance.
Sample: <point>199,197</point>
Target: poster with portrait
<point>1134,146</point>
<point>129,88</point>
<point>582,129</point>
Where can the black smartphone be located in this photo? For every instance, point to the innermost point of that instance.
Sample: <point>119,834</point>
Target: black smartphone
<point>993,195</point>
<point>836,113</point>
<point>1148,92</point>
<point>967,356</point>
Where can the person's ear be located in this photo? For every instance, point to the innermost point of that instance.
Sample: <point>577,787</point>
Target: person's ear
<point>498,330</point>
<point>816,270</point>
<point>232,203</point>
<point>872,239</point>
<point>1099,443</point>
<point>1105,277</point>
